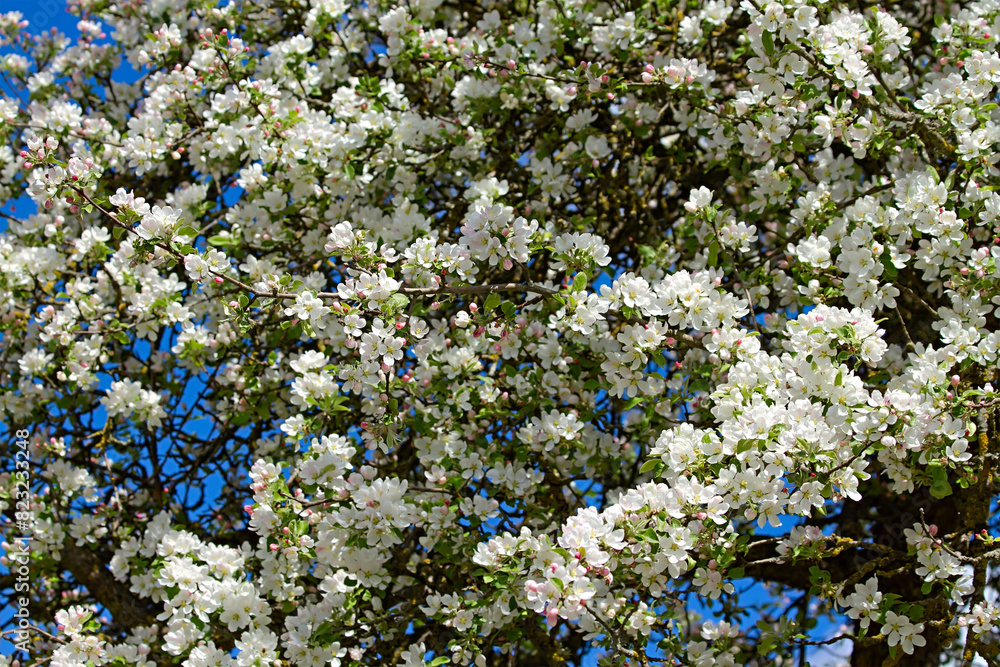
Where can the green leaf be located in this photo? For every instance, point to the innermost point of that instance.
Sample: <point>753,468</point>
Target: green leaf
<point>349,171</point>
<point>648,253</point>
<point>949,180</point>
<point>186,230</point>
<point>736,573</point>
<point>580,281</point>
<point>492,301</point>
<point>649,465</point>
<point>117,232</point>
<point>940,488</point>
<point>768,40</point>
<point>396,302</point>
<point>509,311</point>
<point>713,254</point>
<point>940,491</point>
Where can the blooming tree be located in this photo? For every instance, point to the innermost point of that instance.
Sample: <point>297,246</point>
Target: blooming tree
<point>500,333</point>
